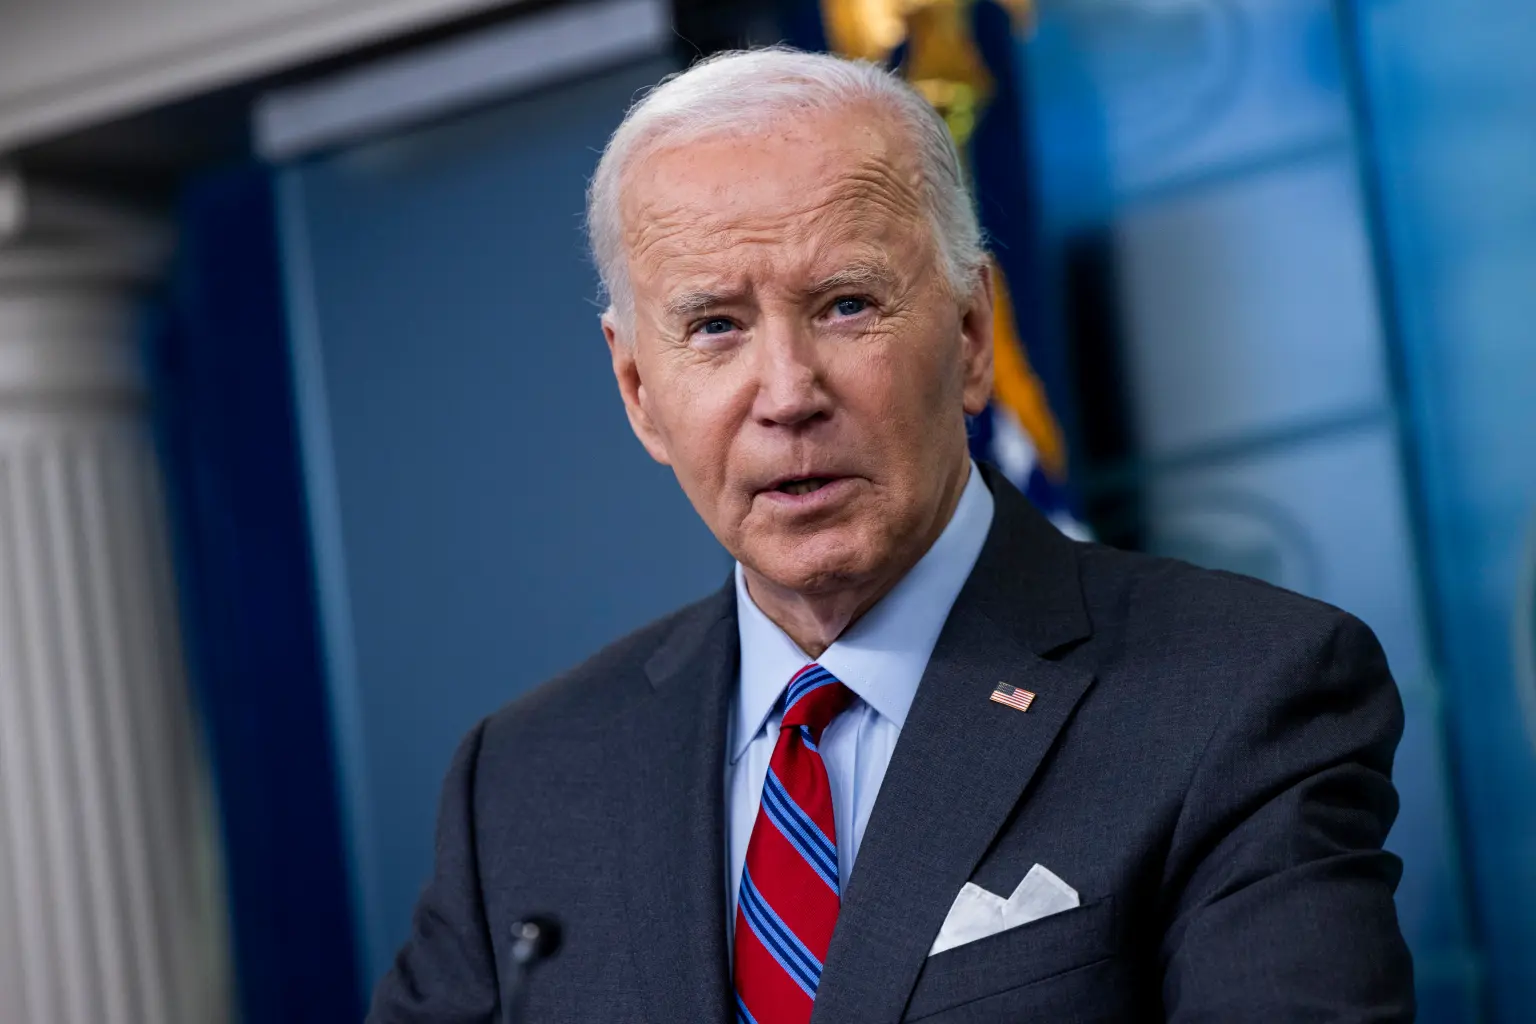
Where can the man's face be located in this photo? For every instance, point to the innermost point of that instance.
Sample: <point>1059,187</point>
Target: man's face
<point>796,355</point>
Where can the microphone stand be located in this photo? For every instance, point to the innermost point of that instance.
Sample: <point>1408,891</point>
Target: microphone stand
<point>534,940</point>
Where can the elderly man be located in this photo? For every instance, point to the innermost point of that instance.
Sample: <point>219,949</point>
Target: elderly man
<point>922,757</point>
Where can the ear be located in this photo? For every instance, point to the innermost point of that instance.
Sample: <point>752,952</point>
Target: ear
<point>626,371</point>
<point>976,325</point>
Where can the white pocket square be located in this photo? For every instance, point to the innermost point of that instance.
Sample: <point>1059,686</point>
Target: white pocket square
<point>977,913</point>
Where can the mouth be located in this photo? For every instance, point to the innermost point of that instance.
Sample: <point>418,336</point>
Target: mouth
<point>800,486</point>
<point>807,494</point>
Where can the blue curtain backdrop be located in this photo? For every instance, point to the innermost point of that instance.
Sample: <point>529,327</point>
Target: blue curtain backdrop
<point>222,384</point>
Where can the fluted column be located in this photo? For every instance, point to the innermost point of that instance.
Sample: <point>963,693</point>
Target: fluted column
<point>108,882</point>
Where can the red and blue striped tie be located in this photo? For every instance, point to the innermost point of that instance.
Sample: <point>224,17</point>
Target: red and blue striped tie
<point>788,902</point>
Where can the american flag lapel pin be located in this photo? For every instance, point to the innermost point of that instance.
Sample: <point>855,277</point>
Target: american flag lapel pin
<point>1018,699</point>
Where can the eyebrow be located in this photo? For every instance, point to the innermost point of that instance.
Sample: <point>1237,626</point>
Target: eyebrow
<point>859,274</point>
<point>691,303</point>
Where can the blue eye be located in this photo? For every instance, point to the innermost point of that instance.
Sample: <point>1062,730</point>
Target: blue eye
<point>718,325</point>
<point>850,306</point>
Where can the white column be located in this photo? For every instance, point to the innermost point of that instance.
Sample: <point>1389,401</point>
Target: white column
<point>109,905</point>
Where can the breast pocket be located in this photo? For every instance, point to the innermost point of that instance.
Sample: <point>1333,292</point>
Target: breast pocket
<point>1025,955</point>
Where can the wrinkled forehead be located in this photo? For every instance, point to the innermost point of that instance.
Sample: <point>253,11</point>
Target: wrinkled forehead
<point>788,198</point>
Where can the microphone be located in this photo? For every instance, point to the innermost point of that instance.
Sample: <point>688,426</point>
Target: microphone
<point>534,940</point>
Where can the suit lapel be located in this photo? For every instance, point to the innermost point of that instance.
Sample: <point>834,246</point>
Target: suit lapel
<point>963,761</point>
<point>674,810</point>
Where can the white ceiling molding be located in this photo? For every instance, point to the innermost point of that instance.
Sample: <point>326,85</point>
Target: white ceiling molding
<point>68,64</point>
<point>438,79</point>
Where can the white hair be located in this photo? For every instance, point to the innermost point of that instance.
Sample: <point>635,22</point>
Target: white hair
<point>742,91</point>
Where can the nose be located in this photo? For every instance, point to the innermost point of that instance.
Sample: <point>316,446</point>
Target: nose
<point>791,389</point>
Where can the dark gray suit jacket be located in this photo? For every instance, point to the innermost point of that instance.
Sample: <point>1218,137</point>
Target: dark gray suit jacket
<point>1207,762</point>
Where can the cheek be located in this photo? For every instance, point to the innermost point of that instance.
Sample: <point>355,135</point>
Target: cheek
<point>695,411</point>
<point>909,382</point>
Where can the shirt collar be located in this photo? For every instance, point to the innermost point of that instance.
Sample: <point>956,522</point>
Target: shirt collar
<point>883,656</point>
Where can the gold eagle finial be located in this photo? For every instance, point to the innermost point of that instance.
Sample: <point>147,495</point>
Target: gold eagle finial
<point>941,59</point>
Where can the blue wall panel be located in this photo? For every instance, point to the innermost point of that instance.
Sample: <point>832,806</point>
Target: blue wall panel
<point>1212,146</point>
<point>1451,101</point>
<point>483,516</point>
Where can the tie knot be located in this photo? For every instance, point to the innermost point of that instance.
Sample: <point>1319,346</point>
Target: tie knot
<point>813,699</point>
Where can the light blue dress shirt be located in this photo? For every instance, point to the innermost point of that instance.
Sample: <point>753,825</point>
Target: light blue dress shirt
<point>881,658</point>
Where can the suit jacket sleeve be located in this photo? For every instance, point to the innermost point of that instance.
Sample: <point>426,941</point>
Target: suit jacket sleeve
<point>446,972</point>
<point>1282,907</point>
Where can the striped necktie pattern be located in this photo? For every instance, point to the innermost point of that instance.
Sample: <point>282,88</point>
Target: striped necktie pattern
<point>789,898</point>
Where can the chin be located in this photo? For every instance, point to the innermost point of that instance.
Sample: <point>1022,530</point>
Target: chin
<point>816,565</point>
